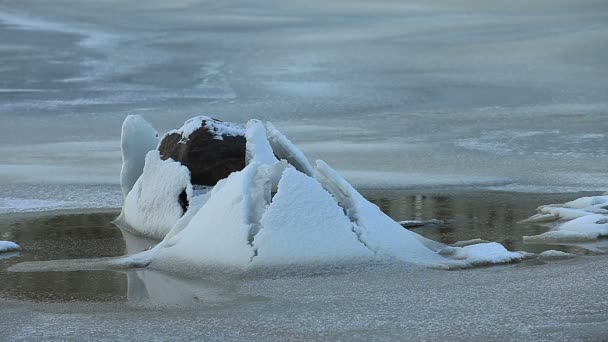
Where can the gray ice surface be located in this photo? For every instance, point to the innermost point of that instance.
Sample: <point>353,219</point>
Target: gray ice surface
<point>560,300</point>
<point>394,94</point>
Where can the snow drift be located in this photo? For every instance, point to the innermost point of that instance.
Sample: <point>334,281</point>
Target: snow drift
<point>280,210</point>
<point>584,219</point>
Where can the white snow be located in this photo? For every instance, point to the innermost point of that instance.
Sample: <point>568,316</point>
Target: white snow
<point>138,137</point>
<point>379,232</point>
<point>585,228</point>
<point>285,149</point>
<point>304,224</point>
<point>483,254</point>
<point>216,127</point>
<point>314,217</point>
<point>8,246</point>
<point>218,233</point>
<point>586,219</point>
<point>151,207</point>
<point>258,147</point>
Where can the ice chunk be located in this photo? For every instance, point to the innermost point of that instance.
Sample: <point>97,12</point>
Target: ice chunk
<point>555,255</point>
<point>137,138</point>
<point>8,246</point>
<point>304,224</point>
<point>587,202</point>
<point>218,128</point>
<point>483,254</point>
<point>152,207</point>
<point>549,213</point>
<point>258,147</point>
<point>570,210</point>
<point>586,228</point>
<point>418,223</point>
<point>285,149</point>
<point>468,242</point>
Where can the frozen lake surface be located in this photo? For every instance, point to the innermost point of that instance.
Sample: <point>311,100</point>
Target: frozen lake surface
<point>483,95</point>
<point>533,300</point>
<point>393,94</point>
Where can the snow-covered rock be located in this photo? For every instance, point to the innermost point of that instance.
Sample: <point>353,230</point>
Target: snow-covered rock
<point>154,205</point>
<point>8,246</point>
<point>211,149</point>
<point>276,213</point>
<point>137,138</point>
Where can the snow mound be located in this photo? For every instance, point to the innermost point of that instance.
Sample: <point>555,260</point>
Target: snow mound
<point>218,128</point>
<point>581,220</point>
<point>218,233</point>
<point>8,246</point>
<point>137,138</point>
<point>570,210</point>
<point>483,254</point>
<point>304,224</point>
<point>585,228</point>
<point>275,213</point>
<point>153,207</point>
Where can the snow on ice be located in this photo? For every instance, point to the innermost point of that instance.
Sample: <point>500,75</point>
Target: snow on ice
<point>279,210</point>
<point>8,246</point>
<point>584,219</point>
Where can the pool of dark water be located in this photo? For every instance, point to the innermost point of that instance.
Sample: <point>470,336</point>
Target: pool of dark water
<point>464,215</point>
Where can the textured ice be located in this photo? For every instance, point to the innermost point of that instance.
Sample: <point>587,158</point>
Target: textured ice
<point>138,137</point>
<point>152,207</point>
<point>216,127</point>
<point>8,246</point>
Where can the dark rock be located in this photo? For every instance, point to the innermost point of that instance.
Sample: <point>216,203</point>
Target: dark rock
<point>209,148</point>
<point>183,201</point>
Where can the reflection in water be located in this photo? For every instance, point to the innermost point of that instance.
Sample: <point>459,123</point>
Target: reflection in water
<point>60,237</point>
<point>152,288</point>
<point>487,215</point>
<point>491,216</point>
